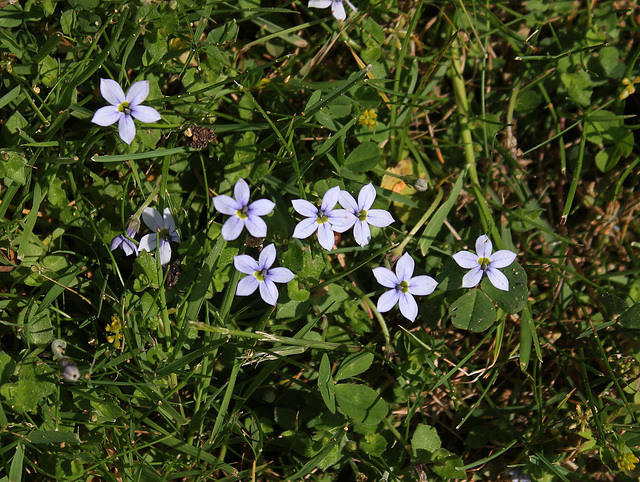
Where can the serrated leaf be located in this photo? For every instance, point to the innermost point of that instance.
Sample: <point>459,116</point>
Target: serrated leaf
<point>361,403</point>
<point>354,365</point>
<point>473,311</point>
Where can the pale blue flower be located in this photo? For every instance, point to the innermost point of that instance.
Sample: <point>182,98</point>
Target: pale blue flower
<point>403,286</point>
<point>485,262</point>
<point>325,220</point>
<point>164,231</point>
<point>261,275</point>
<point>363,214</point>
<point>124,108</point>
<point>122,241</point>
<point>337,7</point>
<point>242,213</point>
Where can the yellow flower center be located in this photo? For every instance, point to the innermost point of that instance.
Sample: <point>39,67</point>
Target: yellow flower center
<point>403,286</point>
<point>124,107</point>
<point>484,263</point>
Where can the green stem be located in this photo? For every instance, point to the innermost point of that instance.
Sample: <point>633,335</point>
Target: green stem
<point>462,104</point>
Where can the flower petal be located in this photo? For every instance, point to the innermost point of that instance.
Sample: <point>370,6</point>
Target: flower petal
<point>112,92</point>
<point>502,258</point>
<point>232,228</point>
<point>484,246</point>
<point>226,205</point>
<point>128,247</point>
<point>422,285</point>
<point>326,237</point>
<point>247,285</point>
<point>145,114</point>
<point>337,9</point>
<point>105,116</point>
<point>267,257</point>
<point>472,278</point>
<point>405,267</point>
<point>361,233</point>
<point>348,202</point>
<point>261,207</point>
<point>280,275</point>
<point>153,219</point>
<point>466,259</point>
<point>245,264</point>
<point>165,251</point>
<point>137,93</point>
<point>341,220</point>
<point>367,195</point>
<point>126,128</point>
<point>256,226</point>
<point>167,220</point>
<point>330,199</point>
<point>379,218</point>
<point>408,306</point>
<point>386,277</point>
<point>387,300</point>
<point>498,279</point>
<point>305,228</point>
<point>241,192</point>
<point>269,292</point>
<point>116,242</point>
<point>148,243</point>
<point>305,208</point>
<point>319,3</point>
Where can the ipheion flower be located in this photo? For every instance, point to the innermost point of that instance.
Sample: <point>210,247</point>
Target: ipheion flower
<point>164,231</point>
<point>337,7</point>
<point>124,108</point>
<point>325,219</point>
<point>482,261</point>
<point>242,213</point>
<point>363,215</point>
<point>261,275</point>
<point>122,241</point>
<point>403,286</point>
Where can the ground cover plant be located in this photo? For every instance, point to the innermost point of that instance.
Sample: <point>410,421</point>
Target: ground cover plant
<point>319,240</point>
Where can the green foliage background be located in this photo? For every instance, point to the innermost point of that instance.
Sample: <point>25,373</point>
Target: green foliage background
<point>520,117</point>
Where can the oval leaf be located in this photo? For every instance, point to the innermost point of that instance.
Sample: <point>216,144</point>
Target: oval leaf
<point>326,384</point>
<point>514,300</point>
<point>354,365</point>
<point>473,311</point>
<point>364,157</point>
<point>361,403</point>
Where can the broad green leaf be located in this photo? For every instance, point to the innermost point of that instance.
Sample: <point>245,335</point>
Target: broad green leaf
<point>363,158</point>
<point>354,365</point>
<point>449,470</point>
<point>424,442</point>
<point>514,300</point>
<point>326,384</point>
<point>473,311</point>
<point>146,272</point>
<point>53,437</point>
<point>361,403</point>
<point>373,444</point>
<point>631,318</point>
<point>612,303</point>
<point>578,86</point>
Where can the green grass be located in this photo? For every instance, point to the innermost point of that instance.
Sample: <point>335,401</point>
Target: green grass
<point>521,119</point>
